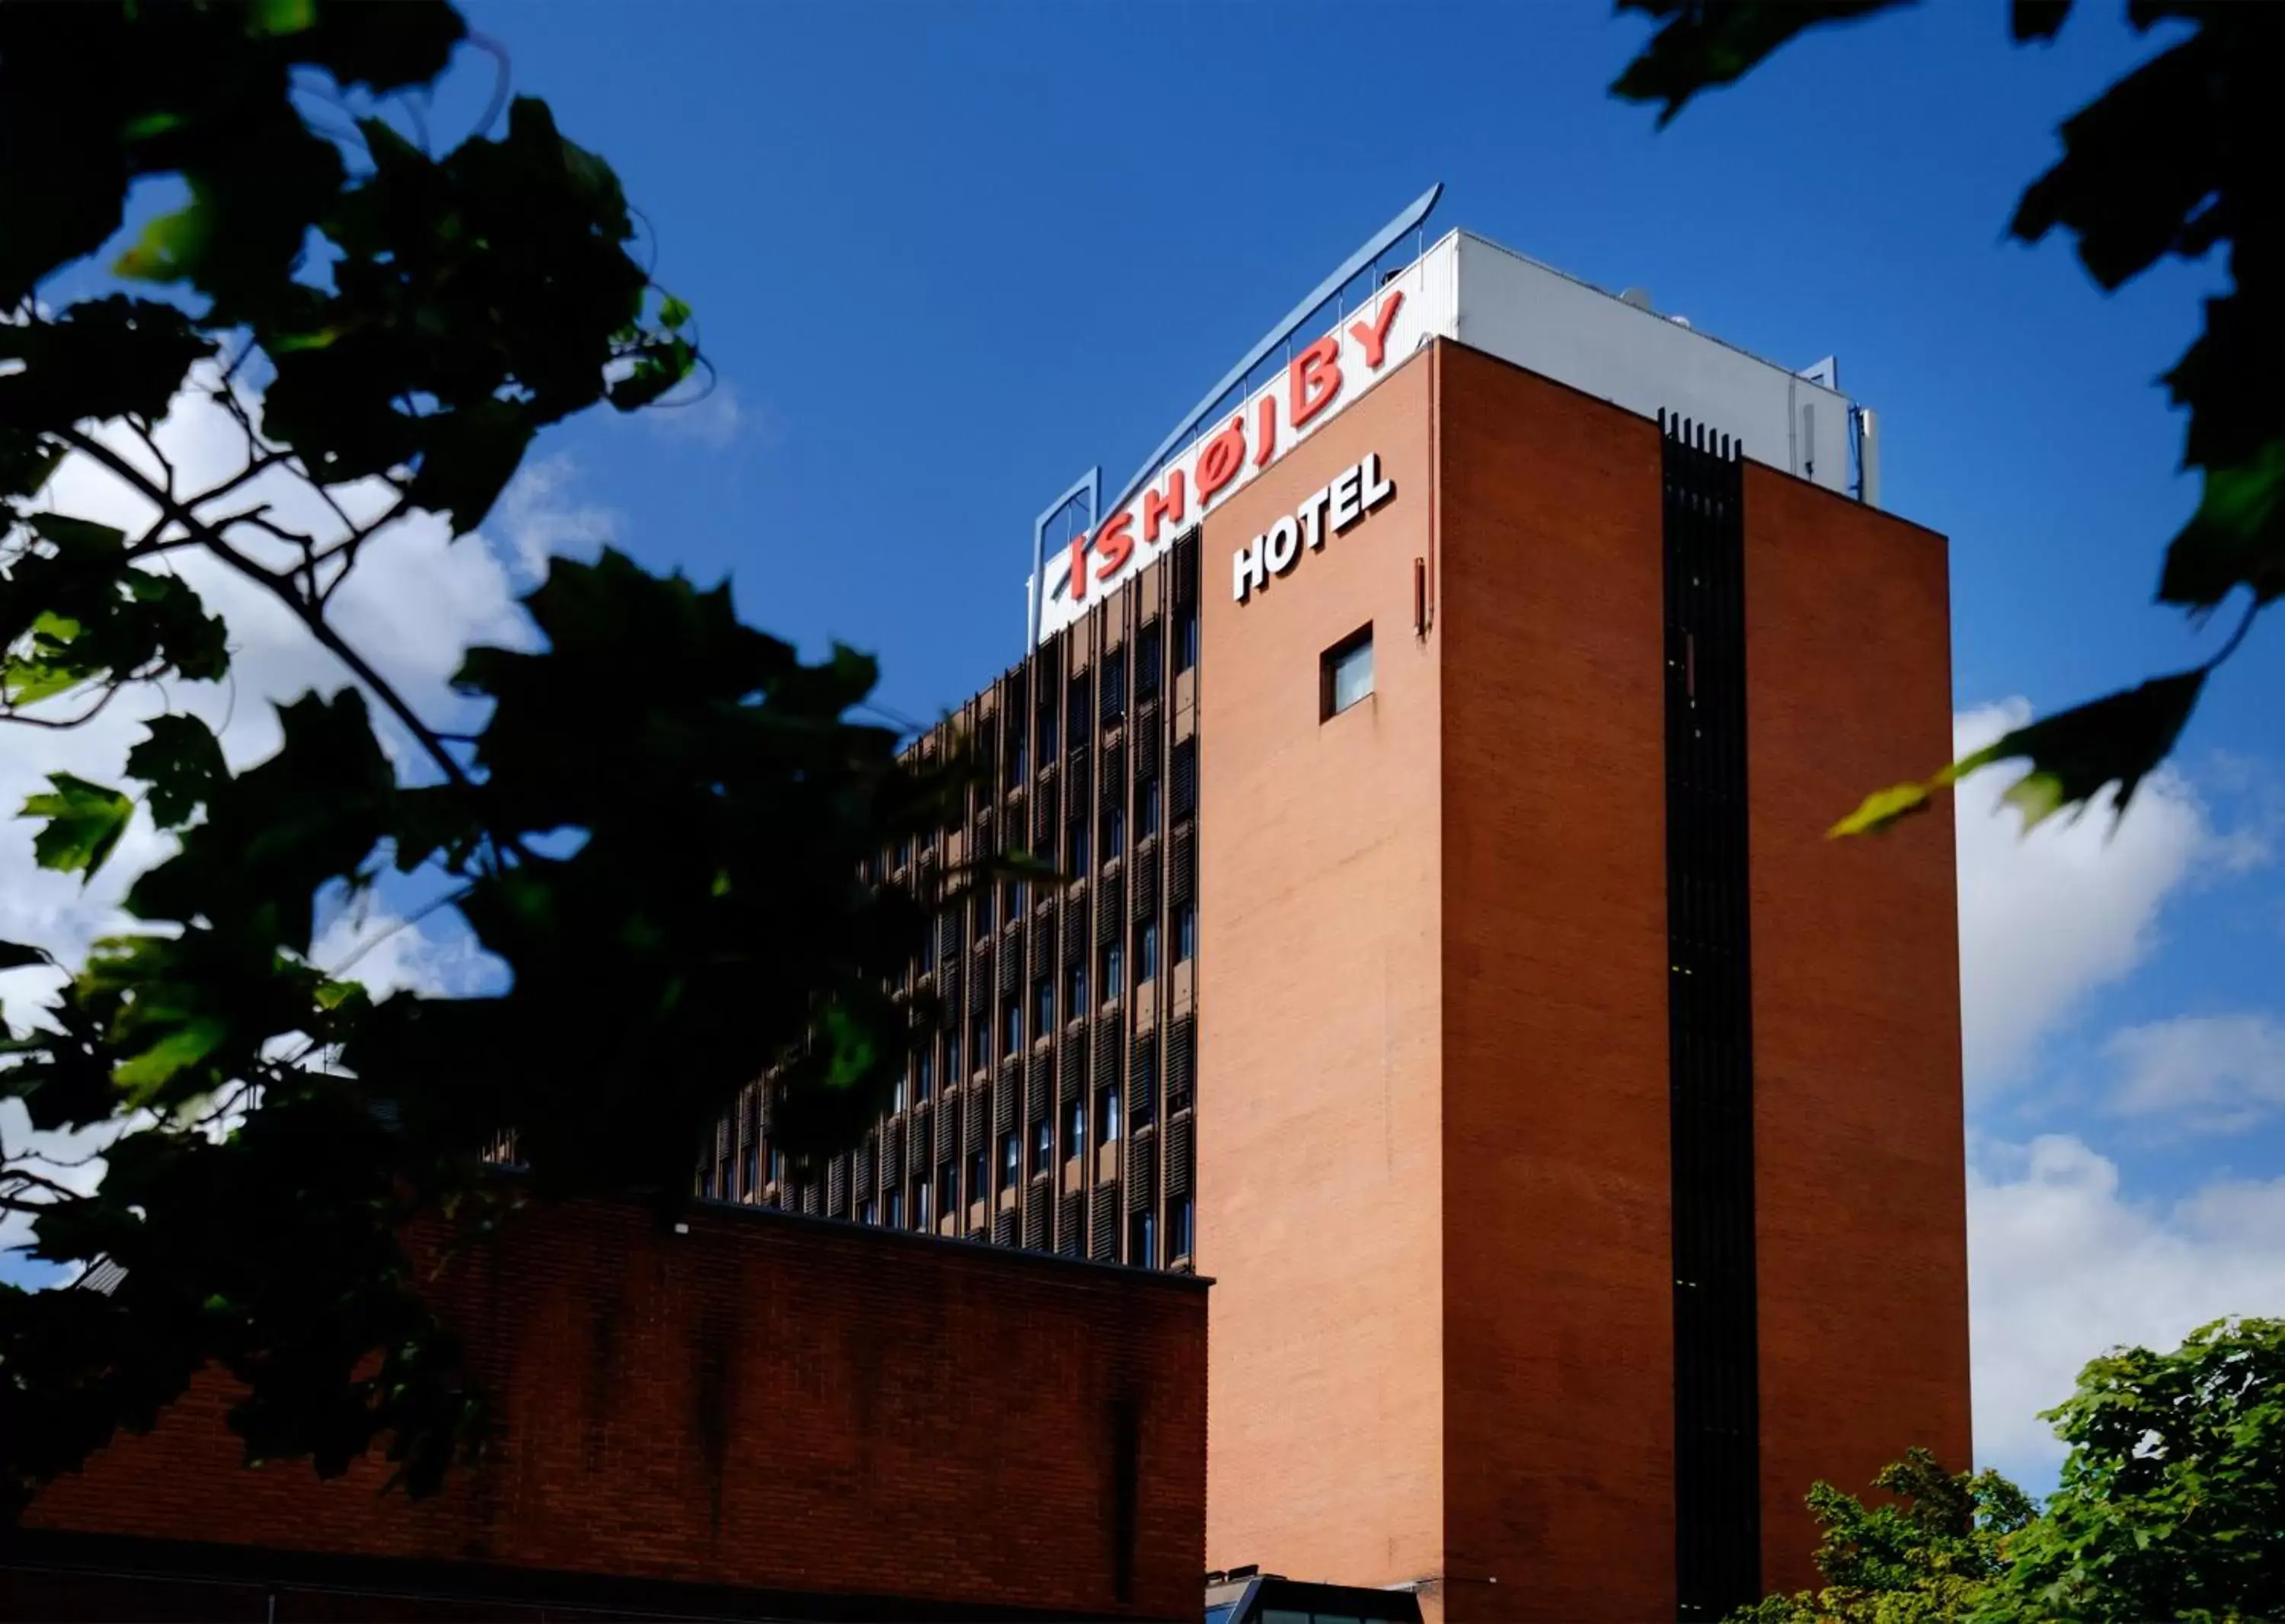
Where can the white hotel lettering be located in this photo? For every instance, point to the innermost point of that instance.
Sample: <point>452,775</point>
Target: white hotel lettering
<point>1356,492</point>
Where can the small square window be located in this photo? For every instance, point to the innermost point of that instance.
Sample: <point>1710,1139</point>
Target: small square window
<point>1345,674</point>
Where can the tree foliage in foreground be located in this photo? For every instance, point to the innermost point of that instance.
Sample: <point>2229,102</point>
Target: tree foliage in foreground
<point>2183,157</point>
<point>656,830</point>
<point>2172,1505</point>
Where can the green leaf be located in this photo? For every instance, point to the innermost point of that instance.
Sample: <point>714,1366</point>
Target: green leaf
<point>271,18</point>
<point>1709,43</point>
<point>673,313</point>
<point>149,1072</point>
<point>84,822</point>
<point>182,762</point>
<point>2038,19</point>
<point>2074,755</point>
<point>2236,537</point>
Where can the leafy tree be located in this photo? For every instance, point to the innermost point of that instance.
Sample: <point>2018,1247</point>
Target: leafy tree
<point>658,830</point>
<point>2183,156</point>
<point>1927,1556</point>
<point>2172,1500</point>
<point>2172,1505</point>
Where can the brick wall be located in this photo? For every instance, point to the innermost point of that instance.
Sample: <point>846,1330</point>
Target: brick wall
<point>1557,1283</point>
<point>1319,1121</point>
<point>1861,1243</point>
<point>765,1403</point>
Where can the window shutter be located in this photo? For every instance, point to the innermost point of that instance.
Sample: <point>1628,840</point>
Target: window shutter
<point>1003,1228</point>
<point>1186,777</point>
<point>1071,1223</point>
<point>1104,1243</point>
<point>1035,1221</point>
<point>1146,892</point>
<point>1183,870</point>
<point>1042,1081</point>
<point>1106,1050</point>
<point>947,996</point>
<point>1108,908</point>
<point>980,982</point>
<point>1179,1137</point>
<point>1075,932</point>
<point>865,1169</point>
<point>1003,1107</point>
<point>809,1197</point>
<point>836,1187</point>
<point>1146,740</point>
<point>1011,965</point>
<point>892,1152</point>
<point>1076,784</point>
<point>948,935</point>
<point>1141,1170</point>
<point>1182,1053</point>
<point>1114,773</point>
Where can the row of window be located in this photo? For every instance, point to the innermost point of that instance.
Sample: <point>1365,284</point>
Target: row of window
<point>1110,686</point>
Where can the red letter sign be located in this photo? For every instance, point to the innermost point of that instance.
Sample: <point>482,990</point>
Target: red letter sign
<point>1374,334</point>
<point>1313,380</point>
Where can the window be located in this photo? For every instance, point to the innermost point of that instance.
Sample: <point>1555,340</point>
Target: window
<point>1106,1116</point>
<point>952,1056</point>
<point>1146,808</point>
<point>868,1211</point>
<point>905,852</point>
<point>984,900</point>
<point>1146,951</point>
<point>1011,1161</point>
<point>979,1040</point>
<point>1180,1221</point>
<point>928,949</point>
<point>1114,686</point>
<point>979,1176</point>
<point>948,1190</point>
<point>1043,1145</point>
<point>896,1095</point>
<point>1186,635</point>
<point>895,1209</point>
<point>1149,654</point>
<point>753,1170</point>
<point>1114,830</point>
<point>1142,1239</point>
<point>1014,901</point>
<point>923,1075</point>
<point>1079,849</point>
<point>1046,736</point>
<point>1114,972</point>
<point>1075,1001</point>
<point>1011,1017</point>
<point>1345,674</point>
<point>920,1204</point>
<point>1075,1128</point>
<point>1186,933</point>
<point>1043,1006</point>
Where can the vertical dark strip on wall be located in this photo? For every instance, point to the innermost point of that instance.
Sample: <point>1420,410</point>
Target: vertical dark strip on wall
<point>1709,1027</point>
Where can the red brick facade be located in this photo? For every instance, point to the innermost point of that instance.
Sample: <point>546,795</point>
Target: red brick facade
<point>1435,1157</point>
<point>765,1404</point>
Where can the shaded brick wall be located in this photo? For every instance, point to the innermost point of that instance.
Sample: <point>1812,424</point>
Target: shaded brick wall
<point>762,1402</point>
<point>1859,1159</point>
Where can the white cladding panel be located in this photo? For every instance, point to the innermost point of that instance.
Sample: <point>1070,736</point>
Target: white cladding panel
<point>1539,318</point>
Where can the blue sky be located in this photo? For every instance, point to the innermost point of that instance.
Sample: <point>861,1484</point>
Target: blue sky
<point>946,257</point>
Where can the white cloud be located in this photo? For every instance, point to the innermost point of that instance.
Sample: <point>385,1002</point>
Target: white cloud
<point>712,419</point>
<point>2061,1267</point>
<point>538,520</point>
<point>2202,1074</point>
<point>415,602</point>
<point>2048,918</point>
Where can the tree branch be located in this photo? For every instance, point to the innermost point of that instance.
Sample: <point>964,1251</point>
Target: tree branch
<point>281,587</point>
